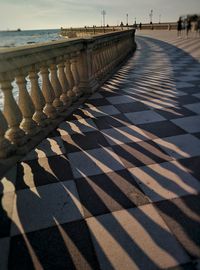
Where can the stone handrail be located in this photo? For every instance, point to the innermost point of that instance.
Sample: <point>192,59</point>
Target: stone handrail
<point>90,31</point>
<point>49,78</point>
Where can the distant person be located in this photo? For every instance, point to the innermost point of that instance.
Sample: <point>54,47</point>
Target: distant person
<point>188,27</point>
<point>179,27</point>
<point>140,26</point>
<point>198,27</point>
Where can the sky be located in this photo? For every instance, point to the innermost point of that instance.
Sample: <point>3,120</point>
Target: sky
<point>53,14</point>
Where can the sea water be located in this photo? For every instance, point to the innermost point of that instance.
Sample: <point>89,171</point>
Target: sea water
<point>9,39</point>
<point>18,38</point>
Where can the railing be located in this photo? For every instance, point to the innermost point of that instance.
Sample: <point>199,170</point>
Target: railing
<point>49,78</point>
<point>90,31</point>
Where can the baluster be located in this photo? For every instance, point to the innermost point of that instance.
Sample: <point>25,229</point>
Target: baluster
<point>6,148</point>
<point>26,105</point>
<point>95,65</point>
<point>103,62</point>
<point>75,74</point>
<point>48,93</point>
<point>38,99</point>
<point>12,114</point>
<point>70,79</point>
<point>106,58</point>
<point>64,84</point>
<point>100,62</point>
<point>57,103</point>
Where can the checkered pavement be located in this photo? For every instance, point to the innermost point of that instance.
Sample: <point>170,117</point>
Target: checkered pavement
<point>117,185</point>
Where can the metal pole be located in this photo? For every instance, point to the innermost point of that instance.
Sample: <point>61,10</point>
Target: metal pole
<point>127,19</point>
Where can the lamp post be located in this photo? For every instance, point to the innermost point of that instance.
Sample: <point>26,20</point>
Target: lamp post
<point>127,19</point>
<point>151,16</point>
<point>103,13</point>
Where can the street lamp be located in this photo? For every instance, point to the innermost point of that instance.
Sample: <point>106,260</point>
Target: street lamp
<point>160,18</point>
<point>127,19</point>
<point>151,16</point>
<point>103,13</point>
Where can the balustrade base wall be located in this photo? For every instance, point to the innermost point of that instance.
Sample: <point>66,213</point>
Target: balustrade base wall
<point>52,81</point>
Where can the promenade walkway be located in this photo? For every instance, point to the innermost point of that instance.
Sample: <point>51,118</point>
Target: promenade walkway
<point>117,185</point>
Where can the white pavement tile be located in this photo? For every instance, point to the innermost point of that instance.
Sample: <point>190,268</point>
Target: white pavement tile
<point>135,239</point>
<point>144,117</point>
<point>197,95</point>
<point>4,253</point>
<point>190,124</point>
<point>93,162</point>
<point>101,111</point>
<point>44,206</point>
<point>120,99</point>
<point>96,96</point>
<point>9,180</point>
<point>162,103</point>
<point>188,78</point>
<point>47,148</point>
<point>166,180</point>
<point>77,126</point>
<point>181,146</point>
<point>183,85</point>
<point>126,134</point>
<point>7,201</point>
<point>195,107</point>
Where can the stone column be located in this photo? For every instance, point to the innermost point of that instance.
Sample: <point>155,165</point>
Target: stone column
<point>38,99</point>
<point>26,105</point>
<point>12,114</point>
<point>57,103</point>
<point>6,148</point>
<point>75,74</point>
<point>64,84</point>
<point>88,83</point>
<point>48,93</point>
<point>70,78</point>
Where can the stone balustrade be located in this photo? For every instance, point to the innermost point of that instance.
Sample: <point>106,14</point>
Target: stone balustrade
<point>49,79</point>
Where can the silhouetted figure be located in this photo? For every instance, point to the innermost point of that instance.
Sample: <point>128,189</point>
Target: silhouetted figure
<point>179,27</point>
<point>198,26</point>
<point>188,27</point>
<point>140,26</point>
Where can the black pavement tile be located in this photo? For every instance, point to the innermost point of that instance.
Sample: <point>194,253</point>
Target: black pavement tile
<point>174,113</point>
<point>140,154</point>
<point>109,192</point>
<point>96,102</point>
<point>191,90</point>
<point>187,266</point>
<point>43,171</point>
<point>192,165</point>
<point>86,141</point>
<point>188,99</point>
<point>78,114</point>
<point>182,215</point>
<point>68,246</point>
<point>106,122</point>
<point>196,135</point>
<point>54,133</point>
<point>131,107</point>
<point>161,129</point>
<point>5,221</point>
<point>109,94</point>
